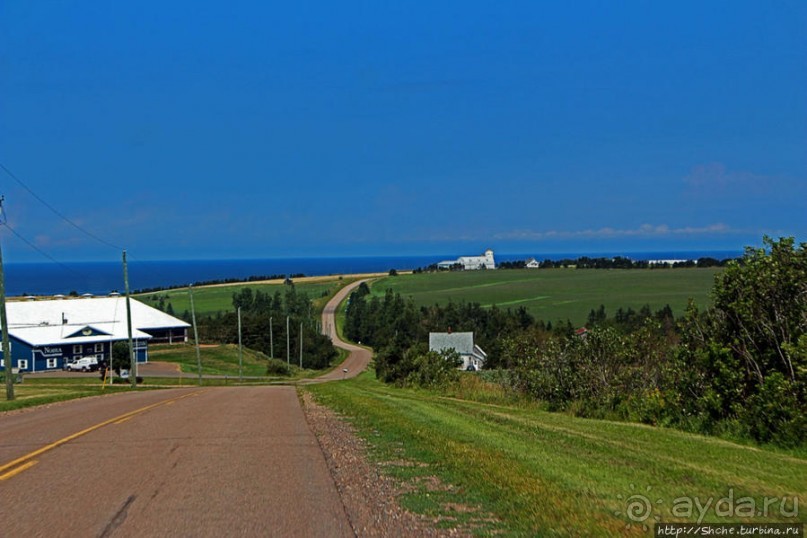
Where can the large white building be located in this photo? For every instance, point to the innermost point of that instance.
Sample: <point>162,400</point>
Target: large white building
<point>470,263</point>
<point>47,334</point>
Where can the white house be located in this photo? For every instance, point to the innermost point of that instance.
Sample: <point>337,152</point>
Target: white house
<point>47,334</point>
<point>532,263</point>
<point>470,263</point>
<point>473,357</point>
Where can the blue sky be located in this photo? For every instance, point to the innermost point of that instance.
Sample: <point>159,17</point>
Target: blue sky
<point>264,129</point>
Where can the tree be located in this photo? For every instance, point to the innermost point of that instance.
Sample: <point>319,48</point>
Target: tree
<point>121,359</point>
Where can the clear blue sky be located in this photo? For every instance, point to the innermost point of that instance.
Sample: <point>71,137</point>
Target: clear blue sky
<point>260,129</point>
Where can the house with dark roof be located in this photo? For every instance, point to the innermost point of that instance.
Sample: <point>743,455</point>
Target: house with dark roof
<point>473,357</point>
<point>48,334</point>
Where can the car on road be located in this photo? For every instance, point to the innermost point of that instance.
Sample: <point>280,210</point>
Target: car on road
<point>84,364</point>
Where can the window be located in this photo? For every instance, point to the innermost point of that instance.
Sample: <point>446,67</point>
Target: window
<point>22,364</point>
<point>99,348</point>
<point>51,363</point>
<point>77,349</point>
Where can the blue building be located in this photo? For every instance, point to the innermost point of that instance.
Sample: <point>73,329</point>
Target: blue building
<point>48,334</point>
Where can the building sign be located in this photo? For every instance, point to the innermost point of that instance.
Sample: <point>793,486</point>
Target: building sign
<point>51,351</point>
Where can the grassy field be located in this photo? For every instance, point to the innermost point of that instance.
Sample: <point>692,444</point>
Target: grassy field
<point>222,360</point>
<point>216,360</point>
<point>210,300</point>
<point>519,471</point>
<point>558,294</point>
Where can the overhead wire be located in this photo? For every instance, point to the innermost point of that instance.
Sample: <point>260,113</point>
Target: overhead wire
<point>56,211</point>
<point>42,252</point>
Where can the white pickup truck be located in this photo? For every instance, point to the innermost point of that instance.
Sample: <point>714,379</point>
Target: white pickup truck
<point>84,364</point>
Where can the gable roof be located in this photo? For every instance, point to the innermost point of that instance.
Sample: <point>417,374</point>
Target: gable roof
<point>462,343</point>
<point>61,321</point>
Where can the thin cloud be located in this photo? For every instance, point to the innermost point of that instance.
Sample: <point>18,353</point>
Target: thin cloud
<point>645,230</point>
<point>716,175</point>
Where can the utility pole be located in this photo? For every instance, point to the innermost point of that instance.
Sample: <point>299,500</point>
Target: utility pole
<point>4,320</point>
<point>240,350</point>
<point>195,334</point>
<point>271,340</point>
<point>301,345</point>
<point>132,357</point>
<point>288,342</point>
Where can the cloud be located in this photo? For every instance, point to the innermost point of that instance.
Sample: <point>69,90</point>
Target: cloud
<point>715,176</point>
<point>645,230</point>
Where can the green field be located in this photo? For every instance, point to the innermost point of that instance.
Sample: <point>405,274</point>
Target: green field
<point>558,294</point>
<point>516,470</point>
<point>211,300</point>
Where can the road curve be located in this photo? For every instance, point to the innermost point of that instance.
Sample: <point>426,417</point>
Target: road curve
<point>359,357</point>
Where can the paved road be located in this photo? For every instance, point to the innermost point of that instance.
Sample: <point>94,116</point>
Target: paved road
<point>359,357</point>
<point>224,461</point>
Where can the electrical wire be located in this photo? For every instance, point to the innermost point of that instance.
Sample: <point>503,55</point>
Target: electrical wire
<point>56,211</point>
<point>45,254</point>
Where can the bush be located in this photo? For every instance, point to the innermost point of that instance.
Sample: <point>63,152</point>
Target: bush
<point>278,367</point>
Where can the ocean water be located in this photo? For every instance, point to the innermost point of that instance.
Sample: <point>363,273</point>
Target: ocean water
<point>100,278</point>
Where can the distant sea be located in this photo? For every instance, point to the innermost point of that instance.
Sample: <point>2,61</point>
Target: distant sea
<point>101,278</point>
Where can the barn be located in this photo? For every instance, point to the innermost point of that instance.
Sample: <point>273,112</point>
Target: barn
<point>47,334</point>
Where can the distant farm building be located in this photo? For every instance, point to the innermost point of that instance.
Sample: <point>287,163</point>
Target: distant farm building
<point>532,263</point>
<point>473,357</point>
<point>47,334</point>
<point>470,263</point>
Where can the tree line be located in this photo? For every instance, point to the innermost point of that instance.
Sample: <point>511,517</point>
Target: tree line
<point>586,262</point>
<point>264,326</point>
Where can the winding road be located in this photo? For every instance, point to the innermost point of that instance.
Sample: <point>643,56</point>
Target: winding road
<point>219,461</point>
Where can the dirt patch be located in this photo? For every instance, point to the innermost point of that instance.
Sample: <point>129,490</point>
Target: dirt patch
<point>368,495</point>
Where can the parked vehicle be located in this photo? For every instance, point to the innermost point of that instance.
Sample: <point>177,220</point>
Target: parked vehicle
<point>84,364</point>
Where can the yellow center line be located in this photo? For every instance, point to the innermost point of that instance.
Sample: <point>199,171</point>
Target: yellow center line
<point>18,470</point>
<point>85,431</point>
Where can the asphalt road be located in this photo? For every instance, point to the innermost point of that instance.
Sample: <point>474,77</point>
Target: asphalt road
<point>359,357</point>
<point>231,461</point>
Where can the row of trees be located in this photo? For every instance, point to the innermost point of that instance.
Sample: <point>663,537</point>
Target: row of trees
<point>586,262</point>
<point>736,368</point>
<point>264,326</point>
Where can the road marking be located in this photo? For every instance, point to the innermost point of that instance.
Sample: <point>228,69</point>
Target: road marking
<point>60,442</point>
<point>18,470</point>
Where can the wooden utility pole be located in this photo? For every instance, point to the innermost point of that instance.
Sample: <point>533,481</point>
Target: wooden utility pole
<point>4,321</point>
<point>271,340</point>
<point>240,350</point>
<point>195,334</point>
<point>301,345</point>
<point>288,342</point>
<point>132,357</point>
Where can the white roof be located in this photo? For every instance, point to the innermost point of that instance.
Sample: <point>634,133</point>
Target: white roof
<point>54,321</point>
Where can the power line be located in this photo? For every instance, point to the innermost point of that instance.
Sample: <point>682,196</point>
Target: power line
<point>45,254</point>
<point>56,211</point>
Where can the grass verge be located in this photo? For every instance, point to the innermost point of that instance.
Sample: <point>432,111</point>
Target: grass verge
<point>548,474</point>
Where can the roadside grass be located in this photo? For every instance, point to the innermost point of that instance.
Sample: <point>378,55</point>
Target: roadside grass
<point>558,294</point>
<point>216,359</point>
<point>222,360</point>
<point>212,300</point>
<point>46,391</point>
<point>541,473</point>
